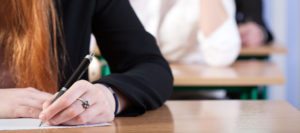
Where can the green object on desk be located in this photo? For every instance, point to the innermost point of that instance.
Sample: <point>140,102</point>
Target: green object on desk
<point>255,91</point>
<point>105,70</point>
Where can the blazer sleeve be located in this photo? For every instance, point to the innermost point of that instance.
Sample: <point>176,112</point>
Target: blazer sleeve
<point>138,69</point>
<point>252,10</point>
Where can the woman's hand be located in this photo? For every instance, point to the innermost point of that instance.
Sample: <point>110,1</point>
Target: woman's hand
<point>252,34</point>
<point>67,110</point>
<point>22,102</point>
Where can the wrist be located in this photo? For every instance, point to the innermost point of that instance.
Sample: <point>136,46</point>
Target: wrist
<point>109,94</point>
<point>116,100</point>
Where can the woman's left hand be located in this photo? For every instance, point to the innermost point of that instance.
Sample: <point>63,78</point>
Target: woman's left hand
<point>252,34</point>
<point>68,110</point>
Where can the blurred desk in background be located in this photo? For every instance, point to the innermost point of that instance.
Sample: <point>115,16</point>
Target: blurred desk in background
<point>243,76</point>
<point>241,73</point>
<point>264,50</point>
<point>203,116</point>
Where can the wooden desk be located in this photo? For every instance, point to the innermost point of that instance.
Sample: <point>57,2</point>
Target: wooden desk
<point>264,50</point>
<point>241,73</point>
<point>204,116</point>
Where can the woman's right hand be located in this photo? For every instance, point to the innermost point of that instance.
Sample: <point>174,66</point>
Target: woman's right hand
<point>22,102</point>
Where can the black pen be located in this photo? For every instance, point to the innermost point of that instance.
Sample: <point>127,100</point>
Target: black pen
<point>74,77</point>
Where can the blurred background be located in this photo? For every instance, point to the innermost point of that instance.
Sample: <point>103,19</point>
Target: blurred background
<point>283,17</point>
<point>225,49</point>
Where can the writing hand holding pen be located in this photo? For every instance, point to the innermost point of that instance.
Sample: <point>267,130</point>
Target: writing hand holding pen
<point>80,102</point>
<point>68,110</point>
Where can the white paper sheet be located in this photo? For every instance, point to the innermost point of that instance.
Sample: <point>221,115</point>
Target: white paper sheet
<point>30,124</point>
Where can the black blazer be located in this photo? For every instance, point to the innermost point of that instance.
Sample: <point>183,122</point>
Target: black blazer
<point>252,10</point>
<point>138,69</point>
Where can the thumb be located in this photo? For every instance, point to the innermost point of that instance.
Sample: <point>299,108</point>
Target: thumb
<point>46,104</point>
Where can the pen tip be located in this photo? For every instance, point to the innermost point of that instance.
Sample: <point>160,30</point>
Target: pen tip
<point>41,124</point>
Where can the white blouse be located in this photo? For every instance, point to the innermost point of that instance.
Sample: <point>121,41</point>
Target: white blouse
<point>174,23</point>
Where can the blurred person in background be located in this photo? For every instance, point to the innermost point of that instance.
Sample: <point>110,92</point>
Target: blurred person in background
<point>253,31</point>
<point>192,31</point>
<point>252,28</point>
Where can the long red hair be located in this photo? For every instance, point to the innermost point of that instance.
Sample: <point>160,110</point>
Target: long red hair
<point>28,31</point>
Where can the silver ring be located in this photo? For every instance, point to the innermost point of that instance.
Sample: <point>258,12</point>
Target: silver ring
<point>84,103</point>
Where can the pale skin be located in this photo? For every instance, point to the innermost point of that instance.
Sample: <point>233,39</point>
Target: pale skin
<point>212,15</point>
<point>22,102</point>
<point>252,35</point>
<point>67,110</point>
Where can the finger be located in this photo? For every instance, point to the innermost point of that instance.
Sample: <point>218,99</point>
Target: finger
<point>47,103</point>
<point>249,38</point>
<point>72,111</point>
<point>253,40</point>
<point>67,99</point>
<point>246,40</point>
<point>243,29</point>
<point>243,39</point>
<point>95,114</point>
<point>26,112</point>
<point>243,34</point>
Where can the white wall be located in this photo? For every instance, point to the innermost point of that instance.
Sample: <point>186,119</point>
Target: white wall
<point>284,19</point>
<point>275,11</point>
